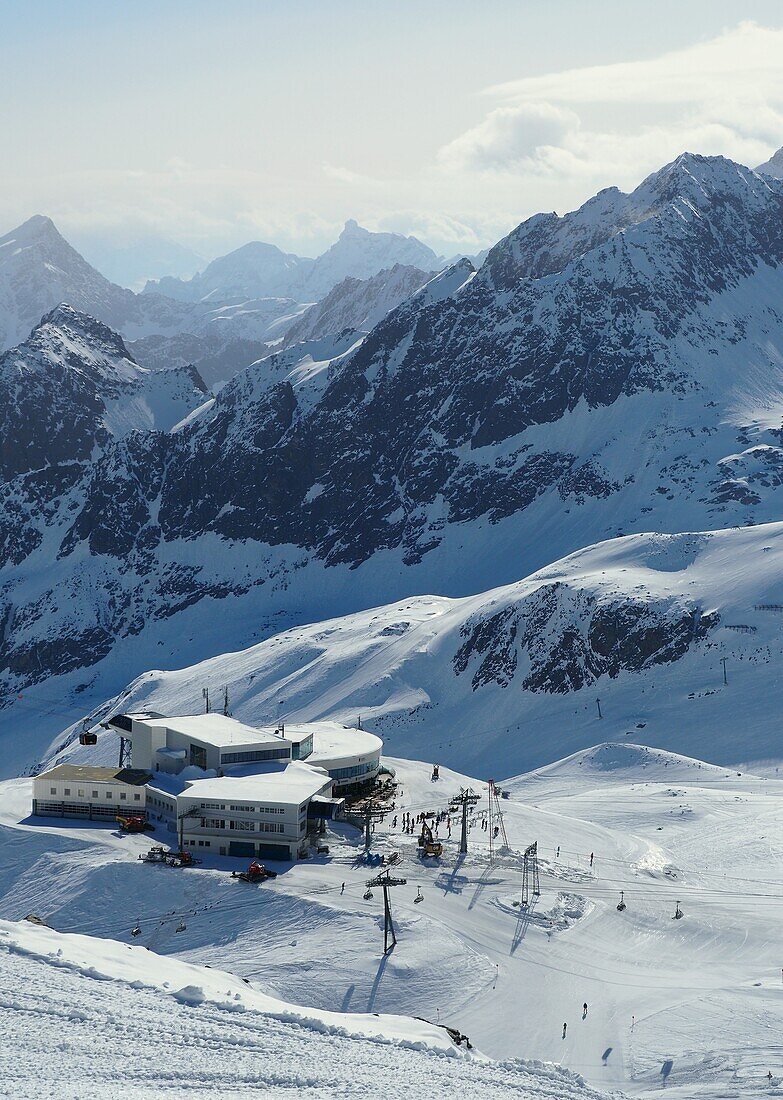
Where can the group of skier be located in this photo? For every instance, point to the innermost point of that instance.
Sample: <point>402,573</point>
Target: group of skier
<point>584,1017</point>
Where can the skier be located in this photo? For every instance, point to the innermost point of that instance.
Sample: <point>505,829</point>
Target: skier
<point>584,1011</point>
<point>394,822</point>
<point>558,851</point>
<point>565,1028</point>
<point>342,888</point>
<point>769,1076</point>
<point>591,859</point>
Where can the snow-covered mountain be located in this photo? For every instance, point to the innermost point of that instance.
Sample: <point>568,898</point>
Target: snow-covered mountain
<point>357,304</point>
<point>259,270</point>
<point>616,370</point>
<point>72,386</point>
<point>773,166</point>
<point>508,680</point>
<point>255,270</point>
<point>39,269</point>
<point>360,253</point>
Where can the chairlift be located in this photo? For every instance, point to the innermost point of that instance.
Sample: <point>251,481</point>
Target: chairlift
<point>678,913</point>
<point>419,896</point>
<point>621,903</point>
<point>367,895</point>
<point>181,926</point>
<point>136,930</point>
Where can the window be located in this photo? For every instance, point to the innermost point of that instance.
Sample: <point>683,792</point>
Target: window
<point>256,754</point>
<point>271,827</point>
<point>94,794</point>
<point>350,773</point>
<point>108,794</point>
<point>67,791</point>
<point>242,826</point>
<point>123,796</point>
<point>212,823</point>
<point>52,790</point>
<point>198,756</point>
<point>81,794</point>
<point>137,798</point>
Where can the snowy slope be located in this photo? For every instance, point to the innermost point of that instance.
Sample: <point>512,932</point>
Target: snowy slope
<point>692,1005</point>
<point>357,304</point>
<point>508,680</point>
<point>111,1011</point>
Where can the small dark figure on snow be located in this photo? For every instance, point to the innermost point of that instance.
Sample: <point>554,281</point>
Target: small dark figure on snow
<point>584,1011</point>
<point>565,1029</point>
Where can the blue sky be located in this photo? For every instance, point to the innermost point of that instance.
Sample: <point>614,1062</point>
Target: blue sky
<point>214,123</point>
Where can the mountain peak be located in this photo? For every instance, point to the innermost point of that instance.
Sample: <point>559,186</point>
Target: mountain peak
<point>38,227</point>
<point>353,229</point>
<point>773,166</point>
<point>64,318</point>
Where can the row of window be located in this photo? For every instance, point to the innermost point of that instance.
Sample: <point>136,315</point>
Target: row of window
<point>94,794</point>
<point>357,769</point>
<point>82,808</point>
<point>255,754</point>
<point>218,823</point>
<point>254,809</point>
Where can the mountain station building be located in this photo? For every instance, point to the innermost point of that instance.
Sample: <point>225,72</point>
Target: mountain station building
<point>227,788</point>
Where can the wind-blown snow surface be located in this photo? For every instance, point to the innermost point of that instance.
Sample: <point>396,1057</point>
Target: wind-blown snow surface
<point>83,1017</point>
<point>508,680</point>
<point>693,1004</point>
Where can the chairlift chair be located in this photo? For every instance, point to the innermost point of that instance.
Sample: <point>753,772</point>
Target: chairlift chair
<point>181,926</point>
<point>136,930</point>
<point>419,896</point>
<point>621,904</point>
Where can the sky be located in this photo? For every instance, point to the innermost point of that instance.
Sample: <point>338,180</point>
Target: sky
<point>209,124</point>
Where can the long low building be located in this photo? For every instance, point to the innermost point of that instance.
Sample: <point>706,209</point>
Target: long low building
<point>72,790</point>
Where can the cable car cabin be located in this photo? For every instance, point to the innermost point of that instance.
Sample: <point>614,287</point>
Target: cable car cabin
<point>88,738</point>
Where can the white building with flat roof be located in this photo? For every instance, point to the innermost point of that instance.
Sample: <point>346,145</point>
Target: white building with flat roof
<point>225,787</point>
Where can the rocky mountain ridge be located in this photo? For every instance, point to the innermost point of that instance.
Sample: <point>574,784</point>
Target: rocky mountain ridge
<point>614,370</point>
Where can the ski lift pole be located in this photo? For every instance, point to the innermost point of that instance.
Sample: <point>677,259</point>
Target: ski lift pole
<point>385,881</point>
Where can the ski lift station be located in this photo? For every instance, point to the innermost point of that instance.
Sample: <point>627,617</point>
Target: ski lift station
<point>230,789</point>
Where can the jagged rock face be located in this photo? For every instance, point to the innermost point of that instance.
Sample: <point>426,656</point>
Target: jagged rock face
<point>590,378</point>
<point>358,304</point>
<point>566,638</point>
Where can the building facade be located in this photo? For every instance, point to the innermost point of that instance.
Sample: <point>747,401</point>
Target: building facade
<point>71,790</point>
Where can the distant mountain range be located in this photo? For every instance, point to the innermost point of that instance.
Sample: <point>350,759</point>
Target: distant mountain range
<point>249,298</point>
<point>615,370</point>
<point>258,270</point>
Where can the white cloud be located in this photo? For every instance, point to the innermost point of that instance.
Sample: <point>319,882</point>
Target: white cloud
<point>745,60</point>
<point>723,96</point>
<point>509,136</point>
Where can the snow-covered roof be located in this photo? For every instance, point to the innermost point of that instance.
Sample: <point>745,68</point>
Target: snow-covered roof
<point>218,729</point>
<point>331,741</point>
<point>296,781</point>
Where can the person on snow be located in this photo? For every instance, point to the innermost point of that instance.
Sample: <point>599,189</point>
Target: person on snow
<point>565,1028</point>
<point>584,1011</point>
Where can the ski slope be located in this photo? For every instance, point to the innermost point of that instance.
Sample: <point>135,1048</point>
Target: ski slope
<point>507,680</point>
<point>695,1005</point>
<point>84,1017</point>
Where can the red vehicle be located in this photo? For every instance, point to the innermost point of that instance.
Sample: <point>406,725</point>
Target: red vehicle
<point>256,872</point>
<point>133,824</point>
